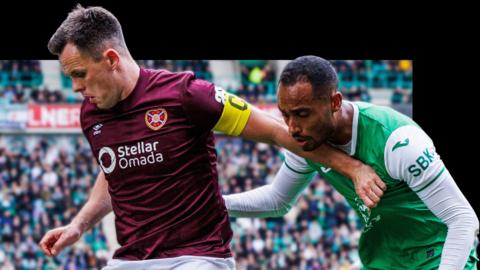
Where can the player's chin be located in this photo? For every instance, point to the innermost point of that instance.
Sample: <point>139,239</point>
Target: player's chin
<point>311,145</point>
<point>104,105</point>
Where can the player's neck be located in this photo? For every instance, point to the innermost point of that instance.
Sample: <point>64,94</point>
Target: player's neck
<point>131,75</point>
<point>344,121</point>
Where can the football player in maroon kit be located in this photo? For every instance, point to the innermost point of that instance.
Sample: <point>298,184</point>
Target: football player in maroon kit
<point>151,133</point>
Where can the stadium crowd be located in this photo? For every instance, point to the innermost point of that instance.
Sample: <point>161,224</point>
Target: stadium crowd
<point>43,184</point>
<point>20,80</point>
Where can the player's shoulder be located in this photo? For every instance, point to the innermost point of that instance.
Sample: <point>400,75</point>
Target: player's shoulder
<point>166,78</point>
<point>375,111</point>
<point>389,119</point>
<point>407,148</point>
<point>405,138</point>
<point>180,85</point>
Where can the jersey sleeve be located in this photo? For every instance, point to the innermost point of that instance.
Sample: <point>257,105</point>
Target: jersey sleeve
<point>297,164</point>
<point>211,107</point>
<point>277,198</point>
<point>410,156</point>
<point>273,200</point>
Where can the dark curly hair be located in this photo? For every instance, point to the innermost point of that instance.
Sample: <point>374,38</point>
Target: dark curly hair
<point>313,69</point>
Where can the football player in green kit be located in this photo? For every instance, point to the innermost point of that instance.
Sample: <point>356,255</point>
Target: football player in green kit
<point>423,220</point>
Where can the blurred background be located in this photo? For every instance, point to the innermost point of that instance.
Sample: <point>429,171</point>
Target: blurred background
<point>47,170</point>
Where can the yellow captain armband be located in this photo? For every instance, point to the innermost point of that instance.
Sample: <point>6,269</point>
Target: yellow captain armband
<point>236,112</point>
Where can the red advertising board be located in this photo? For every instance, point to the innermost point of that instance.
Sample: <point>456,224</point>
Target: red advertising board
<point>53,116</point>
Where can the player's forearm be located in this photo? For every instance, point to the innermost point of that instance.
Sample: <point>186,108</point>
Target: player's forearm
<point>272,200</point>
<point>325,154</point>
<point>260,202</point>
<point>447,202</point>
<point>264,127</point>
<point>459,242</point>
<point>97,206</point>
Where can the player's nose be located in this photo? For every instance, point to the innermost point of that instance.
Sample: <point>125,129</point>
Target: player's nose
<point>78,86</point>
<point>293,128</point>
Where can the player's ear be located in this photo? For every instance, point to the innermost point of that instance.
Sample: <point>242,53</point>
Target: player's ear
<point>336,101</point>
<point>112,57</point>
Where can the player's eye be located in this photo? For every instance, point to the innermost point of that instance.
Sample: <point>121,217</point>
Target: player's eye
<point>78,74</point>
<point>303,113</point>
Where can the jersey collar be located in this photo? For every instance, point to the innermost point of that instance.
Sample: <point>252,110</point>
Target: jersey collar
<point>351,146</point>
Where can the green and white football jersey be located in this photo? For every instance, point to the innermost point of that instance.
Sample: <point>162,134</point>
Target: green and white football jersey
<point>401,232</point>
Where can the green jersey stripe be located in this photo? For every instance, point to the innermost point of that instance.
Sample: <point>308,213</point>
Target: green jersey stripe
<point>295,171</point>
<point>433,180</point>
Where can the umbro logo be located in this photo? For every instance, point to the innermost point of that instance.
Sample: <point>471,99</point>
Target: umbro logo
<point>97,129</point>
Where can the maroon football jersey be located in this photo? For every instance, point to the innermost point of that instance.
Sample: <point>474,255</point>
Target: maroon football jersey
<point>157,151</point>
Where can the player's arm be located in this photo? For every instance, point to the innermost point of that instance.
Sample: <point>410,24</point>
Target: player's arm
<point>210,107</point>
<point>410,156</point>
<point>97,206</point>
<point>277,198</point>
<point>242,119</point>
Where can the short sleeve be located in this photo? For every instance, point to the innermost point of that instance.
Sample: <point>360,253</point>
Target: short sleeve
<point>201,105</point>
<point>410,156</point>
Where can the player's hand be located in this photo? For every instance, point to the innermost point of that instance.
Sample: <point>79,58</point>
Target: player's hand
<point>368,186</point>
<point>54,241</point>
